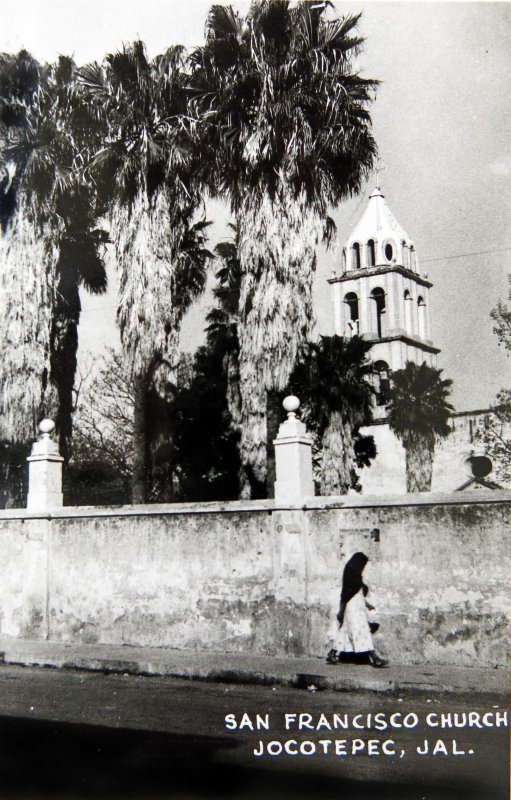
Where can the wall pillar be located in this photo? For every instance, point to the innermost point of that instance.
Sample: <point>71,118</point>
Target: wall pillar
<point>365,326</point>
<point>294,484</point>
<point>428,314</point>
<point>45,471</point>
<point>293,457</point>
<point>400,303</point>
<point>391,303</point>
<point>338,310</point>
<point>291,592</point>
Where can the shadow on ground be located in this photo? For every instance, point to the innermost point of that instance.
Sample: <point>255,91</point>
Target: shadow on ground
<point>40,760</point>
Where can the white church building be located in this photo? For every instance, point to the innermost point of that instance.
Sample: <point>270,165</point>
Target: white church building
<point>381,295</point>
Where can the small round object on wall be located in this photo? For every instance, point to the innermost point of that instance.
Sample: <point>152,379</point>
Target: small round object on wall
<point>478,465</point>
<point>46,426</point>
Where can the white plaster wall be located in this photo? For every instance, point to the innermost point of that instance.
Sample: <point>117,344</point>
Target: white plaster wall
<point>265,578</point>
<point>387,473</point>
<point>465,438</point>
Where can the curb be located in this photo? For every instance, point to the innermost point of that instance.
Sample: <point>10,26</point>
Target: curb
<point>363,680</point>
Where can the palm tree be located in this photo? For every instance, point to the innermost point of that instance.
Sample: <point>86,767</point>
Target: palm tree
<point>80,264</point>
<point>334,382</point>
<point>285,131</point>
<point>418,413</point>
<point>145,169</point>
<point>30,232</point>
<point>49,244</point>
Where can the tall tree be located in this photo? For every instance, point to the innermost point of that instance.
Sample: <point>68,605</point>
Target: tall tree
<point>284,125</point>
<point>50,244</point>
<point>418,413</point>
<point>334,383</point>
<point>146,168</point>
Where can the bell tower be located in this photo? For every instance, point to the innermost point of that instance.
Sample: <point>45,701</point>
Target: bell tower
<point>380,293</point>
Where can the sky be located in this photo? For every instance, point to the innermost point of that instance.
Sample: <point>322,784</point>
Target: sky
<point>441,119</point>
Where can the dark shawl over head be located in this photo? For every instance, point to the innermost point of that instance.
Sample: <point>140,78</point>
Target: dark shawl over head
<point>352,577</point>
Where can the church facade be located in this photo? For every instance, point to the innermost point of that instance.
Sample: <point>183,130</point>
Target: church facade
<point>381,295</point>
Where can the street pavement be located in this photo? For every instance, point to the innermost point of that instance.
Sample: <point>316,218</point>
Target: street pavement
<point>75,734</point>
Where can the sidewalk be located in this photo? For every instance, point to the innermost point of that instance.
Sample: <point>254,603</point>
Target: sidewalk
<point>303,673</point>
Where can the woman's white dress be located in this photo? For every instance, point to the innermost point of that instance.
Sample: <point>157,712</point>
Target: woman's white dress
<point>354,636</point>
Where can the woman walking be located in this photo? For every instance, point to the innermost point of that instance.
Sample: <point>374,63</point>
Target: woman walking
<point>350,636</point>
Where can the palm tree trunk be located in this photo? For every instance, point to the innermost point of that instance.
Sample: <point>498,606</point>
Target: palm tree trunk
<point>253,437</point>
<point>419,465</point>
<point>277,255</point>
<point>63,350</point>
<point>348,459</point>
<point>159,433</point>
<point>337,456</point>
<point>232,377</point>
<point>28,260</point>
<point>140,448</point>
<point>245,490</point>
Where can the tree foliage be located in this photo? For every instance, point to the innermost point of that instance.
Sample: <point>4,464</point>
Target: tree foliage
<point>223,337</point>
<point>493,433</point>
<point>334,383</point>
<point>284,125</point>
<point>418,413</point>
<point>502,328</point>
<point>272,118</point>
<point>193,444</point>
<point>50,243</point>
<point>102,432</point>
<point>206,441</point>
<point>144,168</point>
<point>496,432</point>
<point>146,171</point>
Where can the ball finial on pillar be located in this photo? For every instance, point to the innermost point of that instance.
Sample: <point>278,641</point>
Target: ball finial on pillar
<point>44,471</point>
<point>293,457</point>
<point>46,427</point>
<point>291,405</point>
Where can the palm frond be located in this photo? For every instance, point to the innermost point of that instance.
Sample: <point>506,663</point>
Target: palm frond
<point>419,402</point>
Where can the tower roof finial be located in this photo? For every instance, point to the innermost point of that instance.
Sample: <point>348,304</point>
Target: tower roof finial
<point>380,166</point>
